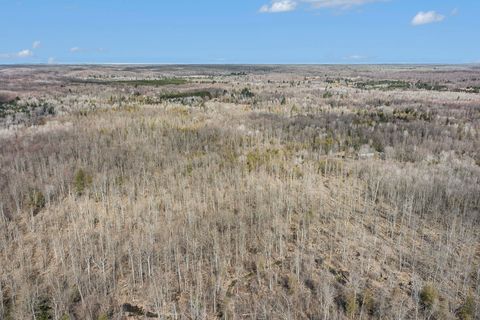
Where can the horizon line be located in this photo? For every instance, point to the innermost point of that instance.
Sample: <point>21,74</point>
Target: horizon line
<point>238,64</point>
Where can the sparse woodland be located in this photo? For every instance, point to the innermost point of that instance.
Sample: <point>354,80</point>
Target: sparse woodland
<point>239,193</point>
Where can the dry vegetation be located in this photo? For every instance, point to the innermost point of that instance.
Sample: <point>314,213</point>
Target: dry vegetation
<point>240,192</point>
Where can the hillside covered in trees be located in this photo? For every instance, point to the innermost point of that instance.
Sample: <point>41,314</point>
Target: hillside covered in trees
<point>240,192</point>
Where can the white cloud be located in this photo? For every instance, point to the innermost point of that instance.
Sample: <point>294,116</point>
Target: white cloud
<point>279,6</point>
<point>75,49</point>
<point>20,54</point>
<point>342,4</point>
<point>426,18</point>
<point>25,53</point>
<point>455,12</point>
<point>51,60</point>
<point>290,5</point>
<point>36,44</point>
<point>355,57</point>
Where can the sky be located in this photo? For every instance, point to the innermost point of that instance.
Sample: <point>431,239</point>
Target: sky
<point>239,31</point>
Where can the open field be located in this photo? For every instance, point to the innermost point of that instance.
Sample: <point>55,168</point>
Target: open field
<point>240,192</point>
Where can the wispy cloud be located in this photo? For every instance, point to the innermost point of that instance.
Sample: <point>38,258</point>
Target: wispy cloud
<point>75,49</point>
<point>279,6</point>
<point>25,53</point>
<point>422,18</point>
<point>355,57</point>
<point>290,5</point>
<point>341,4</point>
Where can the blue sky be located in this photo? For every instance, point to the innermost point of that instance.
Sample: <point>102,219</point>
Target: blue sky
<point>239,31</point>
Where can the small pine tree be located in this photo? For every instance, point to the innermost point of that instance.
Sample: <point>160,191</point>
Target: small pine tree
<point>36,200</point>
<point>81,181</point>
<point>428,296</point>
<point>43,309</point>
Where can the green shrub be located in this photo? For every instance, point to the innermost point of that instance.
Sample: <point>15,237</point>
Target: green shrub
<point>290,284</point>
<point>467,310</point>
<point>188,94</point>
<point>368,302</point>
<point>351,305</point>
<point>247,93</point>
<point>257,158</point>
<point>327,144</point>
<point>103,316</point>
<point>428,296</point>
<point>36,200</point>
<point>43,309</point>
<point>332,166</point>
<point>81,181</point>
<point>378,145</point>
